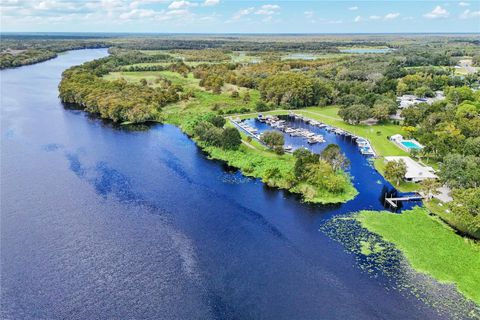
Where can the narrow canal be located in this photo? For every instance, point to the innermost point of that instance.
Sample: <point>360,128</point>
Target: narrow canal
<point>99,222</point>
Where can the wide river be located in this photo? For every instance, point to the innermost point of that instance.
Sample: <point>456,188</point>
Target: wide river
<point>102,223</point>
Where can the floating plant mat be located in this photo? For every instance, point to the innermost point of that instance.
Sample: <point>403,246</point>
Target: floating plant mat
<point>383,261</point>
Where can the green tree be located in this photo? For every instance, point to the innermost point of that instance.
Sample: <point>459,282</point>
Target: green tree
<point>231,138</point>
<point>412,115</point>
<point>274,140</point>
<point>335,157</point>
<point>380,112</point>
<point>395,170</point>
<point>424,92</point>
<point>261,106</point>
<point>472,147</point>
<point>355,113</point>
<point>459,171</point>
<point>207,132</point>
<point>303,157</point>
<point>465,209</point>
<point>458,95</point>
<point>218,121</point>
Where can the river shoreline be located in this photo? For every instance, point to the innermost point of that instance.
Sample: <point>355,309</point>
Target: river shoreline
<point>102,223</point>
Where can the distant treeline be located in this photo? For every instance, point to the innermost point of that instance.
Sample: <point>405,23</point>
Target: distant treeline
<point>16,53</point>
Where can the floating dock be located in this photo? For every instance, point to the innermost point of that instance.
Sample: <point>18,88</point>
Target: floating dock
<point>364,145</point>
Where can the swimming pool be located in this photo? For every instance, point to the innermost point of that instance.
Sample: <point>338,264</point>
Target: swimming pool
<point>411,144</point>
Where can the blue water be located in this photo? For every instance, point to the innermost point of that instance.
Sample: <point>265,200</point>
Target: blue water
<point>383,50</point>
<point>410,145</point>
<point>99,222</point>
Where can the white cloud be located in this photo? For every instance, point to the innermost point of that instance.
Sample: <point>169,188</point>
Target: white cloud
<point>179,12</point>
<point>309,14</point>
<point>388,16</point>
<point>268,9</point>
<point>137,14</point>
<point>52,5</point>
<point>45,5</point>
<point>210,3</point>
<point>243,12</point>
<point>182,4</point>
<point>354,8</point>
<point>467,14</point>
<point>391,16</point>
<point>463,4</point>
<point>437,12</point>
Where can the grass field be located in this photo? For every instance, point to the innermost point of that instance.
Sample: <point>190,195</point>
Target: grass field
<point>151,76</point>
<point>430,246</point>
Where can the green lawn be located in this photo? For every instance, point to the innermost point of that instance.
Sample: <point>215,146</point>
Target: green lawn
<point>430,246</point>
<point>151,76</point>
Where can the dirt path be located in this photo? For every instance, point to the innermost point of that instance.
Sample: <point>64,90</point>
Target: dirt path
<point>249,145</point>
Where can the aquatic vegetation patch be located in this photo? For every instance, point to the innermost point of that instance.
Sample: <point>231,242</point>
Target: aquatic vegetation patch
<point>383,260</point>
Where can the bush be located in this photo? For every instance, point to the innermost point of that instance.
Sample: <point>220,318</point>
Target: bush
<point>273,139</point>
<point>231,139</point>
<point>218,121</point>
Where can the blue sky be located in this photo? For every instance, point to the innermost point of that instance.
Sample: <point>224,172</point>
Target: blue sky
<point>228,16</point>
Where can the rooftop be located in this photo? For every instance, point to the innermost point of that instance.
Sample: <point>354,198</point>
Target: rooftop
<point>415,170</point>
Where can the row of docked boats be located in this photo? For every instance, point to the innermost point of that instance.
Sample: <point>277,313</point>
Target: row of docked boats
<point>248,128</point>
<point>363,144</point>
<point>281,125</point>
<point>365,147</point>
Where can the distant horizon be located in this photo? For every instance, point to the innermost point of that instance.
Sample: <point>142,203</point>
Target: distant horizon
<point>241,16</point>
<point>234,33</point>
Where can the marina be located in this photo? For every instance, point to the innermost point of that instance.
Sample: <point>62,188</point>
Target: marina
<point>283,125</point>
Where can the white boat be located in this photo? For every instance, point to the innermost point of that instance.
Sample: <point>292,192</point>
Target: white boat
<point>289,130</point>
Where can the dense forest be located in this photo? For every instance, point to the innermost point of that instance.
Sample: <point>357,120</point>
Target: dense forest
<point>362,87</point>
<point>117,100</point>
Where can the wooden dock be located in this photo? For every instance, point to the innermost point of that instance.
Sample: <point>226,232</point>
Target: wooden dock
<point>393,201</point>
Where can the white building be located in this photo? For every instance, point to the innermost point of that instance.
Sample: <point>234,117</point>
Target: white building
<point>408,100</point>
<point>416,172</point>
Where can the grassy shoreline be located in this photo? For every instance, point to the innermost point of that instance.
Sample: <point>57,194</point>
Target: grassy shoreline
<point>430,246</point>
<point>255,160</point>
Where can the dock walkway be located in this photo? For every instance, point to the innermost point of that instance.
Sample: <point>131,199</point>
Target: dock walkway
<point>393,201</point>
<point>363,143</point>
